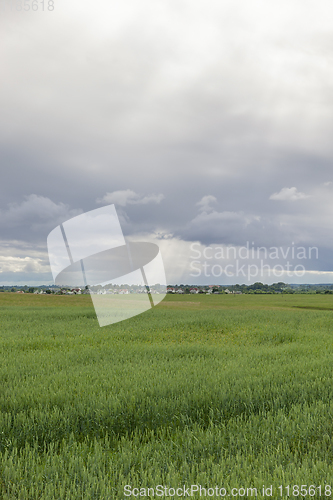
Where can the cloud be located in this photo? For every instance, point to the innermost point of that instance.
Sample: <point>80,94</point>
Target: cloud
<point>33,218</point>
<point>127,100</point>
<point>225,227</point>
<point>37,208</point>
<point>129,197</point>
<point>22,264</point>
<point>206,202</point>
<point>288,194</point>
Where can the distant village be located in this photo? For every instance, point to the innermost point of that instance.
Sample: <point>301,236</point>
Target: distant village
<point>124,289</point>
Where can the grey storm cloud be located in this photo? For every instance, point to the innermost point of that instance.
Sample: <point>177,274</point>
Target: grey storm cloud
<point>207,122</point>
<point>33,218</point>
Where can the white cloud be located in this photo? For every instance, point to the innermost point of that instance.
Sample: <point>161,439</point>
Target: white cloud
<point>151,198</point>
<point>129,197</point>
<point>22,265</point>
<point>175,254</point>
<point>288,194</point>
<point>206,202</point>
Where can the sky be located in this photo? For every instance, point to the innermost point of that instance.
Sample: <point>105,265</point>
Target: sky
<point>207,124</point>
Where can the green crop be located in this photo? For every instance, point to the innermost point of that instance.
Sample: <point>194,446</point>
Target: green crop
<point>234,391</point>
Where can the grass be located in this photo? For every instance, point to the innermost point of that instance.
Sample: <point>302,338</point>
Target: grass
<point>234,391</point>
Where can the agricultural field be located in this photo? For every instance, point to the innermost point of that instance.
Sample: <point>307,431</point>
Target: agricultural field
<point>221,390</point>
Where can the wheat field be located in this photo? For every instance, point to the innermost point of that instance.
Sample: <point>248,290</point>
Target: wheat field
<point>233,392</point>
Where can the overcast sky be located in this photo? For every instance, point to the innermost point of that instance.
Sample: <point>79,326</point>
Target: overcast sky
<point>203,122</point>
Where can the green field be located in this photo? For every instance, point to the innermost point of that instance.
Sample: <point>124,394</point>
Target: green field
<point>227,391</point>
